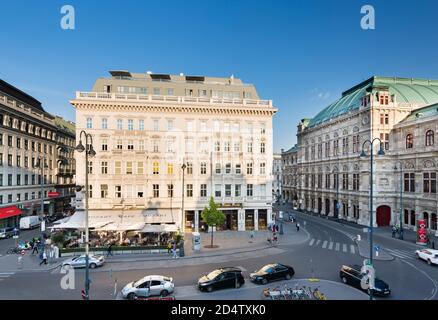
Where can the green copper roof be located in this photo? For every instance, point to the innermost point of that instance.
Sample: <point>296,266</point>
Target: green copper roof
<point>406,90</point>
<point>293,149</point>
<point>428,111</point>
<point>65,125</point>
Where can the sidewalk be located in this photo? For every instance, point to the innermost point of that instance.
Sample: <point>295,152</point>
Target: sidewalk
<point>26,263</point>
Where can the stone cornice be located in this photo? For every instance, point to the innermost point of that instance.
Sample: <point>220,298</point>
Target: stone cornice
<point>161,108</point>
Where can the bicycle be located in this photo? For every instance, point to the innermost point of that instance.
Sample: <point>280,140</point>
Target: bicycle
<point>13,251</point>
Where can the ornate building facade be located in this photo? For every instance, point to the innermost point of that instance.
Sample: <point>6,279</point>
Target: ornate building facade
<point>333,180</point>
<point>166,143</point>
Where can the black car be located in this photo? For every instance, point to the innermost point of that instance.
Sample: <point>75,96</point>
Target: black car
<point>272,272</point>
<point>352,275</point>
<point>220,279</point>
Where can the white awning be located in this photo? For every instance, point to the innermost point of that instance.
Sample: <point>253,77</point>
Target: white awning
<point>77,221</point>
<point>121,227</point>
<point>158,228</point>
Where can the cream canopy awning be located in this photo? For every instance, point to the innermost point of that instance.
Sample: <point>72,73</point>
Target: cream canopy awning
<point>77,221</point>
<point>121,227</point>
<point>156,228</point>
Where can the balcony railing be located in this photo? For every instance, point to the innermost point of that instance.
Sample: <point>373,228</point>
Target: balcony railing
<point>102,96</point>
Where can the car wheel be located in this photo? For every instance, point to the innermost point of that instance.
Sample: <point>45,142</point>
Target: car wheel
<point>132,296</point>
<point>344,280</point>
<point>429,262</point>
<point>417,255</point>
<point>164,293</point>
<point>264,281</point>
<point>288,276</point>
<point>93,265</point>
<point>209,289</point>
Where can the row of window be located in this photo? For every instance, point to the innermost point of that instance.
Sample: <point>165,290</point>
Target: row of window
<point>314,180</point>
<point>26,181</point>
<point>327,146</point>
<point>227,146</point>
<point>429,139</point>
<point>129,168</point>
<point>190,125</point>
<point>25,198</point>
<point>228,190</point>
<point>8,121</point>
<point>24,143</point>
<point>429,182</point>
<point>25,162</point>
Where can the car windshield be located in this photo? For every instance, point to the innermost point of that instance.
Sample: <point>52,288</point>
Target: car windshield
<point>268,269</point>
<point>213,274</point>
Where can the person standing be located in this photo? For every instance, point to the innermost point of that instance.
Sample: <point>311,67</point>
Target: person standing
<point>298,226</point>
<point>174,250</point>
<point>44,258</point>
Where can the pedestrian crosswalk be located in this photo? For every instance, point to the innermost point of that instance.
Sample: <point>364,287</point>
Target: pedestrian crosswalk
<point>333,246</point>
<point>402,254</point>
<point>5,275</point>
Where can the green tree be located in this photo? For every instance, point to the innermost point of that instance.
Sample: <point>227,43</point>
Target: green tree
<point>212,216</point>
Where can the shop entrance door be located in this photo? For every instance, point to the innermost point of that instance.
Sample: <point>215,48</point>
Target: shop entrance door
<point>249,219</point>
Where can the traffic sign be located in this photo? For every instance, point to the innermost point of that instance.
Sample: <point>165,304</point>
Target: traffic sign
<point>53,194</point>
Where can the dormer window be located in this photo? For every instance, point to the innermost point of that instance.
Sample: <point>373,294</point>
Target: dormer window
<point>384,99</point>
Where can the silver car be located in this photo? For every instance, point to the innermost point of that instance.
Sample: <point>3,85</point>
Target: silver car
<point>148,286</point>
<point>79,262</point>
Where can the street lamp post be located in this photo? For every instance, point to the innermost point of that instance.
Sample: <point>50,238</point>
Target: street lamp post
<point>183,167</point>
<point>401,199</point>
<point>89,151</point>
<point>363,154</point>
<point>41,165</point>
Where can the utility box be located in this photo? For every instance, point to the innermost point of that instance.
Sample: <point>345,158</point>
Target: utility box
<point>196,241</point>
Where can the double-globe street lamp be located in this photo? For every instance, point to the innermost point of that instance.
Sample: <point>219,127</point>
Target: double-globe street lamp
<point>89,151</point>
<point>401,198</point>
<point>363,154</point>
<point>181,252</point>
<point>42,165</point>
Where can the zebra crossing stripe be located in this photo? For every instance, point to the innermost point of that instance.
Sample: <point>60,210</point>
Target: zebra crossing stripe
<point>330,246</point>
<point>337,246</point>
<point>324,245</point>
<point>352,249</point>
<point>344,247</point>
<point>318,241</point>
<point>399,254</point>
<point>311,242</point>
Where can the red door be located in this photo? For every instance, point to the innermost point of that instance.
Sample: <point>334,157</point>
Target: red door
<point>383,216</point>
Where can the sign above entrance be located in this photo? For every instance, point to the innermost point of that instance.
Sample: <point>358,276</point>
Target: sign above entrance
<point>231,205</point>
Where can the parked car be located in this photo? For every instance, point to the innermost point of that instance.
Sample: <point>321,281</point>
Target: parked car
<point>7,232</point>
<point>148,286</point>
<point>79,261</point>
<point>429,255</point>
<point>221,279</point>
<point>271,272</point>
<point>30,222</point>
<point>353,276</point>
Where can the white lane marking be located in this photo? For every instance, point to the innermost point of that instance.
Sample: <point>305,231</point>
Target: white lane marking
<point>324,245</point>
<point>407,254</point>
<point>317,242</point>
<point>352,249</point>
<point>331,246</point>
<point>311,242</point>
<point>399,254</point>
<point>337,246</point>
<point>8,273</point>
<point>344,247</point>
<point>435,289</point>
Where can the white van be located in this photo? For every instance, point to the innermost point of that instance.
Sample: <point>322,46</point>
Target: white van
<point>30,222</point>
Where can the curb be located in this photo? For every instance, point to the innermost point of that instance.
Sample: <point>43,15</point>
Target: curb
<point>33,270</point>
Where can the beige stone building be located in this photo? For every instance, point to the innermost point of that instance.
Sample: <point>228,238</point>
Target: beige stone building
<point>331,177</point>
<point>146,126</point>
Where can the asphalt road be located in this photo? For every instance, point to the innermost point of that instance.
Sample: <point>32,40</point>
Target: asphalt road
<point>330,246</point>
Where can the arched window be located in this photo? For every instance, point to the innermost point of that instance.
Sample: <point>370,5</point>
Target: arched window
<point>429,138</point>
<point>409,141</point>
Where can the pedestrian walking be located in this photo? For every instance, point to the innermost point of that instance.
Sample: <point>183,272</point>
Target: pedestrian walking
<point>35,247</point>
<point>393,231</point>
<point>110,250</point>
<point>44,258</point>
<point>298,227</point>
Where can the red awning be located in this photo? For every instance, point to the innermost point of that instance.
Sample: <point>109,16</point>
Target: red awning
<point>10,211</point>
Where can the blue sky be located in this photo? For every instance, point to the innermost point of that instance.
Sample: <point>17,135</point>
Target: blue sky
<point>301,54</point>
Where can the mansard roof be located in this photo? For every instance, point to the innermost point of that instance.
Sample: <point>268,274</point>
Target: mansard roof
<point>406,90</point>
